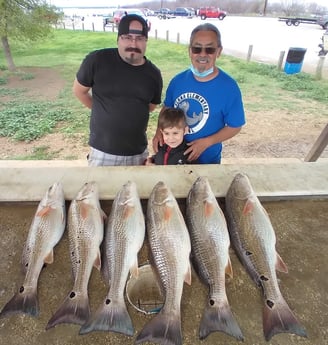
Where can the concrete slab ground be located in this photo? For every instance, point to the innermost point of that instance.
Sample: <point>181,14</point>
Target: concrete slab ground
<point>302,241</point>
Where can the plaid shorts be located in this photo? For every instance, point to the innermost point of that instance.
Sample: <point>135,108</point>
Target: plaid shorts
<point>99,158</point>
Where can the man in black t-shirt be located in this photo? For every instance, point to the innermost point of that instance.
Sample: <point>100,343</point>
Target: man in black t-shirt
<point>125,86</point>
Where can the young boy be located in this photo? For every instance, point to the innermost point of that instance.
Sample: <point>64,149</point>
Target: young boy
<point>173,126</point>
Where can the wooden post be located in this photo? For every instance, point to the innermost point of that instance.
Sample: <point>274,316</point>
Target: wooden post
<point>281,59</point>
<point>318,146</point>
<point>82,26</point>
<point>249,54</point>
<point>167,35</point>
<point>318,73</point>
<point>93,26</point>
<point>178,38</point>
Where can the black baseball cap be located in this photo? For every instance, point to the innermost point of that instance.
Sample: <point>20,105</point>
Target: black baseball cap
<point>124,26</point>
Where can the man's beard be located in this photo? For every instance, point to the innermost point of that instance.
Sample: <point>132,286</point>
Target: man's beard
<point>133,58</point>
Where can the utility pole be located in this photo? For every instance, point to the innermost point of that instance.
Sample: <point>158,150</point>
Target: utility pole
<point>265,7</point>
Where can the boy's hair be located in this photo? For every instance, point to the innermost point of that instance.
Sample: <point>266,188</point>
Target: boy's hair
<point>172,117</point>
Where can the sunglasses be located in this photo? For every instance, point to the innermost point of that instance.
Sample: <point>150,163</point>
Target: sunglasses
<point>208,50</point>
<point>130,39</point>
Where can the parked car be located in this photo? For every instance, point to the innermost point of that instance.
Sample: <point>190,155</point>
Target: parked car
<point>211,12</point>
<point>148,12</point>
<point>108,19</point>
<point>164,13</point>
<point>182,12</point>
<point>192,10</point>
<point>323,21</point>
<point>124,11</point>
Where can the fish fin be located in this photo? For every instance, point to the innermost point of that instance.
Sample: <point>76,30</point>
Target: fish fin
<point>49,259</point>
<point>84,210</point>
<point>280,265</point>
<point>248,207</point>
<point>97,263</point>
<point>128,211</point>
<point>208,208</point>
<point>219,318</point>
<point>111,316</point>
<point>22,302</point>
<point>278,318</point>
<point>162,329</point>
<point>75,309</point>
<point>134,270</point>
<point>187,277</point>
<point>228,269</point>
<point>167,213</point>
<point>44,210</point>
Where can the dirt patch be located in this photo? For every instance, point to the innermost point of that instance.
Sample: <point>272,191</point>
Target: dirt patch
<point>269,134</point>
<point>43,84</point>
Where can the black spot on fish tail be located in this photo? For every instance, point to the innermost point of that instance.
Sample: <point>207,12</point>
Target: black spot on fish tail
<point>162,329</point>
<point>264,278</point>
<point>110,317</point>
<point>75,309</point>
<point>22,302</point>
<point>219,318</point>
<point>278,318</point>
<point>248,253</point>
<point>270,304</point>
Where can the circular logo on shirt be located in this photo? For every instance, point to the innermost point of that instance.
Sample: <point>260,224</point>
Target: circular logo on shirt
<point>195,108</point>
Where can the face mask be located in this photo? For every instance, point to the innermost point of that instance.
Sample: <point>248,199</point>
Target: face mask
<point>201,74</point>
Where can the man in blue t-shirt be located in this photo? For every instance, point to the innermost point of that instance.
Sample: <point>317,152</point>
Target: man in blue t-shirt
<point>209,97</point>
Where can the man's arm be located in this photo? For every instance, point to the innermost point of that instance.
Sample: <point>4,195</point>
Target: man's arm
<point>198,146</point>
<point>152,107</point>
<point>158,137</point>
<point>82,93</point>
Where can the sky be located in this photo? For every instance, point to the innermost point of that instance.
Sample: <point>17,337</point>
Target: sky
<point>107,3</point>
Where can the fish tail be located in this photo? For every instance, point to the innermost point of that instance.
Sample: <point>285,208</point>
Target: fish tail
<point>219,318</point>
<point>22,302</point>
<point>111,316</point>
<point>278,318</point>
<point>162,329</point>
<point>75,309</point>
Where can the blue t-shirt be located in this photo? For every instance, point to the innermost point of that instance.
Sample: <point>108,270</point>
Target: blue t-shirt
<point>209,106</point>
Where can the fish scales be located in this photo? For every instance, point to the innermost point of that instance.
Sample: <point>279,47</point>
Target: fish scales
<point>170,248</point>
<point>254,241</point>
<point>124,236</point>
<point>45,232</point>
<point>85,233</point>
<point>210,257</point>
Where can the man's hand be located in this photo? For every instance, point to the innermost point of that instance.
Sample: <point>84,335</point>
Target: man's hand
<point>196,148</point>
<point>157,140</point>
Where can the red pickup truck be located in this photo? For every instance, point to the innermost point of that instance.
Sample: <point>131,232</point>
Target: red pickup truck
<point>211,12</point>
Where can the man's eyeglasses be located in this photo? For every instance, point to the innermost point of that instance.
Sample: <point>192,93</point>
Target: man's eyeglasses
<point>129,38</point>
<point>208,50</point>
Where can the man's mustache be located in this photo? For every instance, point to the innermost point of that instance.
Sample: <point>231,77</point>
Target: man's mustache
<point>131,49</point>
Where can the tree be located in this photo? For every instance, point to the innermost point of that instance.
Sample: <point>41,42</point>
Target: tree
<point>24,20</point>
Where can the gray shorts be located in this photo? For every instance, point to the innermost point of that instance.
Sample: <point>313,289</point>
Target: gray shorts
<point>99,158</point>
